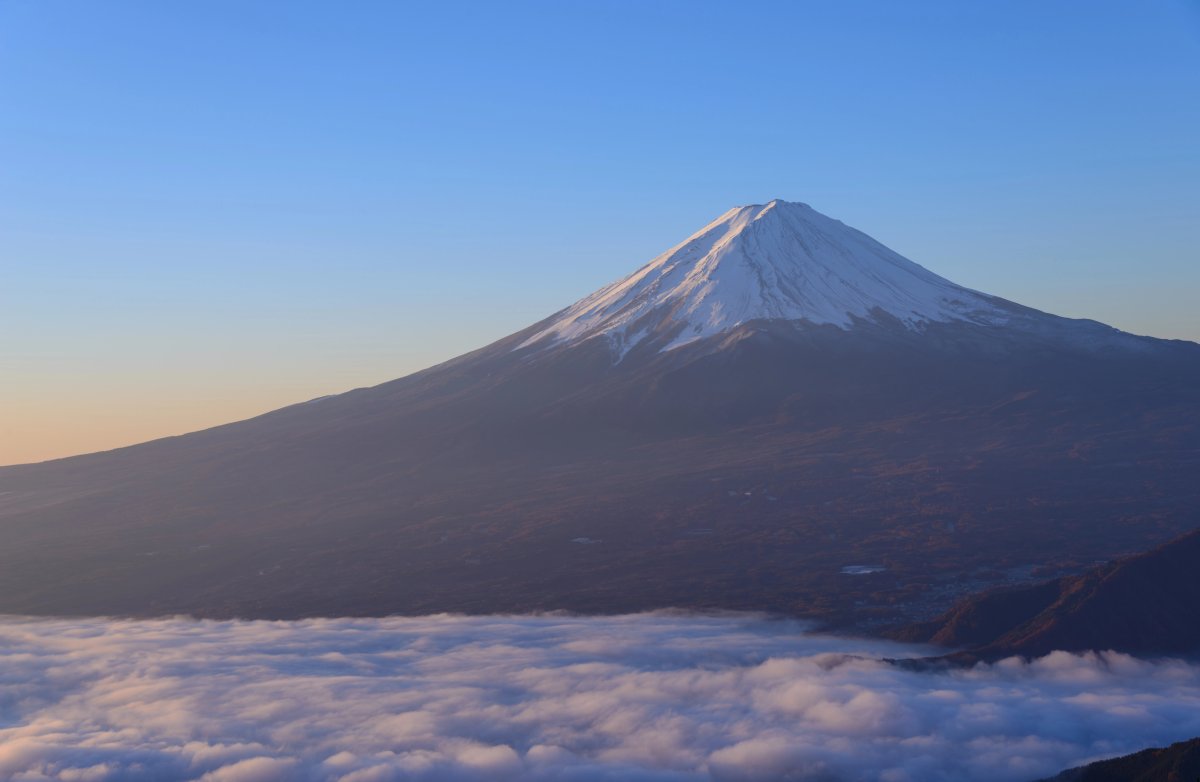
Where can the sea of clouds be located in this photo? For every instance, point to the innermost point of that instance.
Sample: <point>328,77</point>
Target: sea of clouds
<point>642,697</point>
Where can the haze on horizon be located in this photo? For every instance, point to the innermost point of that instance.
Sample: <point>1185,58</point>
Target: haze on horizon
<point>208,212</point>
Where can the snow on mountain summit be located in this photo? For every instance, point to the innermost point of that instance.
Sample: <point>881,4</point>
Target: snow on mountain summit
<point>778,261</point>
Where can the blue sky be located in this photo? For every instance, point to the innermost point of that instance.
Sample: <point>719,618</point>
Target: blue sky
<point>209,209</point>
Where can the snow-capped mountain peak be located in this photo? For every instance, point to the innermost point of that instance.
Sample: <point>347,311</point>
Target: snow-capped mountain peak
<point>773,261</point>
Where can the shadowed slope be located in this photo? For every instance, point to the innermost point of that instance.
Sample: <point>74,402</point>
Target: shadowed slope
<point>1145,604</point>
<point>1177,763</point>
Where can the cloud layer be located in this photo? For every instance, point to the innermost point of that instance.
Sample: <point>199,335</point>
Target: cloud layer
<point>646,697</point>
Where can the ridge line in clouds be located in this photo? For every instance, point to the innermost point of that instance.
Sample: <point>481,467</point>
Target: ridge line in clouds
<point>663,696</point>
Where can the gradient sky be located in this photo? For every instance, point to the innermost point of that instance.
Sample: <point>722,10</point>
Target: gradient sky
<point>211,209</point>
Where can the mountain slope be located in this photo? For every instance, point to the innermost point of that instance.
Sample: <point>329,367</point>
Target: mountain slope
<point>612,457</point>
<point>1179,762</point>
<point>1145,604</point>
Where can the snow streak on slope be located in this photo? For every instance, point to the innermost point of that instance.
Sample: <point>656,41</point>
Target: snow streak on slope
<point>783,261</point>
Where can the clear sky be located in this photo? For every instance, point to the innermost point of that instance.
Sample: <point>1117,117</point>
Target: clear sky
<point>211,209</point>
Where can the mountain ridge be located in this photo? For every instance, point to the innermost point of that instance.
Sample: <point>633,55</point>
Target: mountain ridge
<point>1143,604</point>
<point>1179,762</point>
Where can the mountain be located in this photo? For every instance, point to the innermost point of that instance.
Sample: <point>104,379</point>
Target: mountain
<point>1144,604</point>
<point>1177,763</point>
<point>778,413</point>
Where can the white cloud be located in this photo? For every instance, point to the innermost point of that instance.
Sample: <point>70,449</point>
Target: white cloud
<point>645,697</point>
